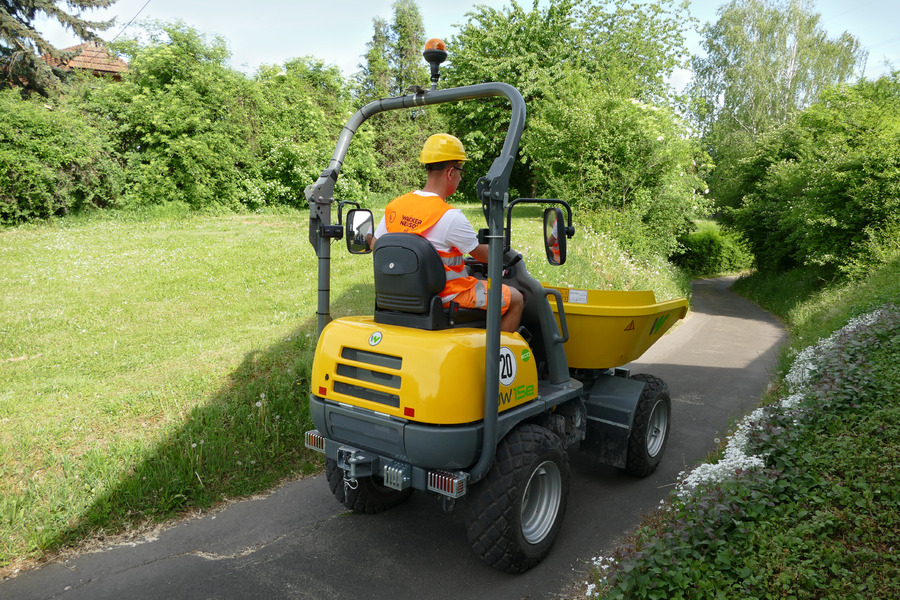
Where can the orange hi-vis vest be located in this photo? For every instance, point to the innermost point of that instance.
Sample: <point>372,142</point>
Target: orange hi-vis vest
<point>412,213</point>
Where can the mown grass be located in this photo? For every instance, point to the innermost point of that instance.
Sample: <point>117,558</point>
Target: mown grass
<point>148,366</point>
<point>820,519</point>
<point>157,362</point>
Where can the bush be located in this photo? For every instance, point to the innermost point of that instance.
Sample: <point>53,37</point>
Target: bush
<point>624,158</point>
<point>821,190</point>
<point>195,131</point>
<point>52,161</point>
<point>710,250</point>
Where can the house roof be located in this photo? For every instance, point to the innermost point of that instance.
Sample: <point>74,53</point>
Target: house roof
<point>93,57</point>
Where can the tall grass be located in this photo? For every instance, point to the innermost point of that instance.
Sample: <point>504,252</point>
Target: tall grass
<point>813,307</point>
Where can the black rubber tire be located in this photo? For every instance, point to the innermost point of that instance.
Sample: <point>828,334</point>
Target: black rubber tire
<point>500,534</point>
<point>370,496</point>
<point>647,442</point>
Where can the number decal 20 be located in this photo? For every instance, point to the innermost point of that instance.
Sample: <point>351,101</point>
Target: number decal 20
<point>507,366</point>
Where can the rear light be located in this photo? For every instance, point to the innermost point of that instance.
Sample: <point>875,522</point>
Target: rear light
<point>397,475</point>
<point>448,484</point>
<point>315,440</point>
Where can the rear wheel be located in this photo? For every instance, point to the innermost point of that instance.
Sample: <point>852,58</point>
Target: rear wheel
<point>370,496</point>
<point>514,514</point>
<point>650,428</point>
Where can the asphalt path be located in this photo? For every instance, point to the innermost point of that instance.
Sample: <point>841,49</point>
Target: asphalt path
<point>298,542</point>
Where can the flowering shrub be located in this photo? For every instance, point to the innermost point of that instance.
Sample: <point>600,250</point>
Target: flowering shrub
<point>803,503</point>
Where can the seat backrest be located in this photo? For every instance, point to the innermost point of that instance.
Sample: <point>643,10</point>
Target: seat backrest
<point>409,273</point>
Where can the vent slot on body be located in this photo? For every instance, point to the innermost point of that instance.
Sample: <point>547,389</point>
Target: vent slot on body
<point>366,394</point>
<point>385,361</point>
<point>369,376</point>
<point>364,376</point>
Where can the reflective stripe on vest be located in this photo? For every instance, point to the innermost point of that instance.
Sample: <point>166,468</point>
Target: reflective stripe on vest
<point>412,213</point>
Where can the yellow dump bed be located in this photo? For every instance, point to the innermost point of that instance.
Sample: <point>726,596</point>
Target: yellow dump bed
<point>610,329</point>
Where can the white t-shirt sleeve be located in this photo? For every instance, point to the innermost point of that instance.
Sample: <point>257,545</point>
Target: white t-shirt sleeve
<point>381,229</point>
<point>459,232</point>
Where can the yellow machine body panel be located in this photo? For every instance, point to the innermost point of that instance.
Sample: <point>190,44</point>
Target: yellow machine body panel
<point>610,329</point>
<point>434,377</point>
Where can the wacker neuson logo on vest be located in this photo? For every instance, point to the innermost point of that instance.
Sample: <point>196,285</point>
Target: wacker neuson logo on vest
<point>408,221</point>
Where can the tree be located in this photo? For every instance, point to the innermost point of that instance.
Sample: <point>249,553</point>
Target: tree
<point>765,61</point>
<point>824,189</point>
<point>626,50</point>
<point>182,119</point>
<point>393,63</point>
<point>374,76</point>
<point>632,164</point>
<point>21,46</point>
<point>408,40</point>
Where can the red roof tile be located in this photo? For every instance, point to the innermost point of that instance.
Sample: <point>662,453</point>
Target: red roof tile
<point>93,57</point>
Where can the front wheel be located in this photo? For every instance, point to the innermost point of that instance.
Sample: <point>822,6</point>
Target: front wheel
<point>514,514</point>
<point>369,497</point>
<point>650,428</point>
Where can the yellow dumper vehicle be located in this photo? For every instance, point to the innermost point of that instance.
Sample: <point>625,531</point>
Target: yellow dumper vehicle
<point>422,397</point>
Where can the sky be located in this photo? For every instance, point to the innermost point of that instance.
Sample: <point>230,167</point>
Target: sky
<point>277,30</point>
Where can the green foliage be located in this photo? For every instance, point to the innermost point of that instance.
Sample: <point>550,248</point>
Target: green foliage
<point>629,160</point>
<point>814,307</point>
<point>711,249</point>
<point>374,76</point>
<point>298,113</point>
<point>182,122</point>
<point>393,63</point>
<point>820,520</point>
<point>765,61</point>
<point>626,50</point>
<point>52,161</point>
<point>22,46</point>
<point>825,190</point>
<point>192,130</point>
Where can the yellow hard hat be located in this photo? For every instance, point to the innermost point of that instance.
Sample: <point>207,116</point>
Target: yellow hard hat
<point>442,147</point>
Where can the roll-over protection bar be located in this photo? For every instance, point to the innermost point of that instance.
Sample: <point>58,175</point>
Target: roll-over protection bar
<point>492,190</point>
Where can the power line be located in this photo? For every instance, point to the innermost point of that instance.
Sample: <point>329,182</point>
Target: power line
<point>130,22</point>
<point>890,41</point>
<point>847,12</point>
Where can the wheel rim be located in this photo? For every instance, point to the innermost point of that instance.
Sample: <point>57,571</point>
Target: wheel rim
<point>541,502</point>
<point>656,428</point>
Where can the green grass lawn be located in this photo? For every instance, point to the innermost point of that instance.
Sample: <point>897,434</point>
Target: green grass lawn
<point>151,365</point>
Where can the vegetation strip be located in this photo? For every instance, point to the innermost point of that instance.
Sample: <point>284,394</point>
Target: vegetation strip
<point>803,503</point>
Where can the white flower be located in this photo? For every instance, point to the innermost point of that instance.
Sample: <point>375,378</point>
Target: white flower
<point>258,404</point>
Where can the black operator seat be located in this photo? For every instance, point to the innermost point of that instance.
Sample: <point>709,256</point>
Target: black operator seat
<point>409,276</point>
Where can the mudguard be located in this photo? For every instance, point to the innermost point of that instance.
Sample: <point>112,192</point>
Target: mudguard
<point>611,406</point>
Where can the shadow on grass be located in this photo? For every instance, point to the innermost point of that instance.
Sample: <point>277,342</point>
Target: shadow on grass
<point>242,440</point>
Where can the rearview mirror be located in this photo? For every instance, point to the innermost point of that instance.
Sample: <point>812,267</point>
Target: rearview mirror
<point>555,236</point>
<point>359,229</point>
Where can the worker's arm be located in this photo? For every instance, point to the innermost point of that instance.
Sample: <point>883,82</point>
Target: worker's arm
<point>480,253</point>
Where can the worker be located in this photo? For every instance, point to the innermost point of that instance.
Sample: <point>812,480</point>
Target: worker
<point>426,213</point>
